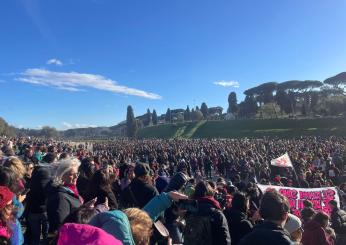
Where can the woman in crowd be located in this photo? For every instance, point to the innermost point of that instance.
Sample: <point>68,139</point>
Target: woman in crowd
<point>314,231</point>
<point>238,223</point>
<point>294,227</point>
<point>208,208</point>
<point>86,171</point>
<point>129,175</point>
<point>11,177</point>
<point>6,214</point>
<point>100,188</point>
<point>63,197</point>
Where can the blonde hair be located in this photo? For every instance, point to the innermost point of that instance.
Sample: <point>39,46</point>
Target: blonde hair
<point>141,225</point>
<point>16,165</point>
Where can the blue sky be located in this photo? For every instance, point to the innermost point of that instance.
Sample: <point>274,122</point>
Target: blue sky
<point>72,63</point>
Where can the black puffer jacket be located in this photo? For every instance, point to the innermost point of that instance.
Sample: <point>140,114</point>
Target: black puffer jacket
<point>61,202</point>
<point>338,218</point>
<point>36,198</point>
<point>238,224</point>
<point>219,227</point>
<point>141,191</point>
<point>267,233</point>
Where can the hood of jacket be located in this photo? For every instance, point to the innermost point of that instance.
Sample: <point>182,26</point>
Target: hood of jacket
<point>81,234</point>
<point>115,223</point>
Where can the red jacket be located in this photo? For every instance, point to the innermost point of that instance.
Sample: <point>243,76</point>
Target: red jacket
<point>314,235</point>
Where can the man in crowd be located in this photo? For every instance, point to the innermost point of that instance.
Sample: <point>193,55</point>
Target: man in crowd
<point>338,220</point>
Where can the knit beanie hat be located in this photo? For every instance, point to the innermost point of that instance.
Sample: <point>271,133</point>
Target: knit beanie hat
<point>5,196</point>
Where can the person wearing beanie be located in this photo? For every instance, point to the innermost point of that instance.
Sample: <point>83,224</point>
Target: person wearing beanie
<point>6,209</point>
<point>294,227</point>
<point>141,190</point>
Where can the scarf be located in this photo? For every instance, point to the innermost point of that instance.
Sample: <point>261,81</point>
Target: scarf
<point>210,200</point>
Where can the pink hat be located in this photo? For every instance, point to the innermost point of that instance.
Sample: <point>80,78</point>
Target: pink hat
<point>82,234</point>
<point>5,196</point>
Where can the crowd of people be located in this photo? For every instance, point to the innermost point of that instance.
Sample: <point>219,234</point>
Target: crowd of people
<point>178,191</point>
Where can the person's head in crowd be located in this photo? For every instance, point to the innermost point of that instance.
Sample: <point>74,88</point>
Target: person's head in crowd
<point>274,207</point>
<point>203,189</point>
<point>6,211</point>
<point>231,189</point>
<point>177,182</point>
<point>307,214</point>
<point>81,215</point>
<point>52,149</point>
<point>9,179</point>
<point>240,202</point>
<point>129,172</point>
<point>294,227</point>
<point>343,187</point>
<point>87,168</point>
<point>322,219</point>
<point>333,205</point>
<point>67,172</point>
<point>8,151</point>
<point>101,180</point>
<point>142,172</point>
<point>50,157</point>
<point>16,165</point>
<point>63,156</point>
<point>141,225</point>
<point>307,204</point>
<point>6,206</point>
<point>29,167</point>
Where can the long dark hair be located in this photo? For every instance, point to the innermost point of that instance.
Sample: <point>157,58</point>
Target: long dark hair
<point>101,180</point>
<point>239,202</point>
<point>87,168</point>
<point>8,178</point>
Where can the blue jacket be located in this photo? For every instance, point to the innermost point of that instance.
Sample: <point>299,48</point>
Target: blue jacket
<point>115,223</point>
<point>157,205</point>
<point>17,234</point>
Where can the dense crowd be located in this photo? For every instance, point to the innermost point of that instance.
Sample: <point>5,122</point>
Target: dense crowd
<point>175,191</point>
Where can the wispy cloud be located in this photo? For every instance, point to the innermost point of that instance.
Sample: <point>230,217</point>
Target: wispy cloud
<point>76,125</point>
<point>2,81</point>
<point>74,81</point>
<point>54,61</point>
<point>224,83</point>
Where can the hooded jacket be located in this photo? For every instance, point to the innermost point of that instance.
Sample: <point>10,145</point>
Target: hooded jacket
<point>116,224</point>
<point>82,234</point>
<point>314,234</point>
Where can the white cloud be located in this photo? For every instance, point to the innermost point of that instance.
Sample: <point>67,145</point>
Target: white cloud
<point>76,125</point>
<point>74,81</point>
<point>224,83</point>
<point>54,62</point>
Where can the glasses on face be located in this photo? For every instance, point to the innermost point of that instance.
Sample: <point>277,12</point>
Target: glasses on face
<point>76,175</point>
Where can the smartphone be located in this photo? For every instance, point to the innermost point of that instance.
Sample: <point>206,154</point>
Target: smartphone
<point>188,205</point>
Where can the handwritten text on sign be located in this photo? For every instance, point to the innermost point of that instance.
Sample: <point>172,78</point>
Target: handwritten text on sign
<point>318,196</point>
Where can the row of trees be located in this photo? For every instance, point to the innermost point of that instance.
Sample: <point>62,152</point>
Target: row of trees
<point>270,99</point>
<point>306,98</point>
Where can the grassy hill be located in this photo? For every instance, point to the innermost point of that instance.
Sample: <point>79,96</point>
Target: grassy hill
<point>248,128</point>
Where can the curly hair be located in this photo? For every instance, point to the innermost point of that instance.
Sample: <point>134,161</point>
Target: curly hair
<point>141,225</point>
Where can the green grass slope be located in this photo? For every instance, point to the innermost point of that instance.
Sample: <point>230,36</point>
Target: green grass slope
<point>248,128</point>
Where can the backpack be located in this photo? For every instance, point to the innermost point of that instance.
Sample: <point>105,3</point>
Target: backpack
<point>197,230</point>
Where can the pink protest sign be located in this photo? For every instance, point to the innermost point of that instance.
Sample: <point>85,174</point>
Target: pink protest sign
<point>318,196</point>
